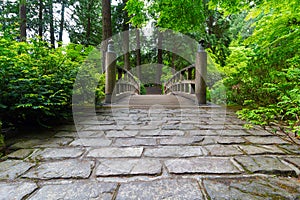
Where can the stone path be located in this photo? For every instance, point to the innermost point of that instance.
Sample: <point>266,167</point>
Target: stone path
<point>153,153</point>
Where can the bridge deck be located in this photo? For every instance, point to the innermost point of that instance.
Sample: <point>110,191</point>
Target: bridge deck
<point>168,101</point>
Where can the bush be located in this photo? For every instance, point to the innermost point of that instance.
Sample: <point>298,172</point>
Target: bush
<point>142,89</point>
<point>37,82</point>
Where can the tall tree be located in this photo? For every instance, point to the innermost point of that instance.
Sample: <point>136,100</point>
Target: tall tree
<point>41,8</point>
<point>51,18</point>
<point>62,22</point>
<point>126,37</point>
<point>22,20</point>
<point>85,24</point>
<point>107,27</point>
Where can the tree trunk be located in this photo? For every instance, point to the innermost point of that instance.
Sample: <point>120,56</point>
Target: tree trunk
<point>159,57</point>
<point>62,21</point>
<point>52,36</point>
<point>138,53</point>
<point>22,12</point>
<point>88,28</point>
<point>41,7</point>
<point>106,28</point>
<point>126,38</point>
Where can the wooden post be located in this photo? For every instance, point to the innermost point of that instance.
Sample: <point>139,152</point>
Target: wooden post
<point>201,74</point>
<point>110,74</point>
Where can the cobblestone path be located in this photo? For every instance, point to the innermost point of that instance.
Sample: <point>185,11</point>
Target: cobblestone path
<point>154,153</point>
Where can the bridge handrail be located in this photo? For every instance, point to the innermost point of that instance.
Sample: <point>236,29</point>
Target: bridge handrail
<point>126,82</point>
<point>180,84</point>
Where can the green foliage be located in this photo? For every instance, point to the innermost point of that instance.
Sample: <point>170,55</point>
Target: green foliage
<point>218,93</point>
<point>137,11</point>
<point>37,82</point>
<point>264,76</point>
<point>142,89</point>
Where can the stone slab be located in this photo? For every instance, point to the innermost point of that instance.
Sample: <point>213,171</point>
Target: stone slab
<point>55,142</point>
<point>157,132</point>
<point>259,188</point>
<point>128,167</point>
<point>294,160</point>
<point>140,127</point>
<point>222,150</point>
<point>205,165</point>
<point>115,152</point>
<point>121,134</point>
<point>161,189</point>
<point>232,133</point>
<point>57,153</point>
<point>211,127</point>
<point>26,144</point>
<point>20,154</point>
<point>230,140</point>
<point>221,189</point>
<point>265,165</point>
<point>173,151</point>
<point>91,142</point>
<point>76,190</point>
<point>123,142</point>
<point>11,169</point>
<point>101,127</point>
<point>266,140</point>
<point>192,140</point>
<point>61,169</point>
<point>291,149</point>
<point>259,133</point>
<point>90,134</point>
<point>202,133</point>
<point>17,190</point>
<point>260,149</point>
<point>210,140</point>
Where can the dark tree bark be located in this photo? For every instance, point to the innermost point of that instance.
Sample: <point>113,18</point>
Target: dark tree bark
<point>89,24</point>
<point>106,28</point>
<point>41,7</point>
<point>22,12</point>
<point>52,36</point>
<point>159,57</point>
<point>62,21</point>
<point>138,53</point>
<point>126,38</point>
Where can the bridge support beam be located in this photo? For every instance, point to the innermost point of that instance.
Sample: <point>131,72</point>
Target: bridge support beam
<point>201,75</point>
<point>110,73</point>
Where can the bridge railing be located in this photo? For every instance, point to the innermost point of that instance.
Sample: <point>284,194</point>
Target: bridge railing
<point>119,82</point>
<point>190,82</point>
<point>182,81</point>
<point>126,83</point>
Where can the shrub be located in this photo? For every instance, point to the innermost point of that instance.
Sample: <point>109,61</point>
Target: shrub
<point>36,82</point>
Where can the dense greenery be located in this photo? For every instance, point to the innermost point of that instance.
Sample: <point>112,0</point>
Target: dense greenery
<point>37,82</point>
<point>263,69</point>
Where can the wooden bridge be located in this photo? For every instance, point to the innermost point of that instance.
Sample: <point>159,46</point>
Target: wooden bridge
<point>186,87</point>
